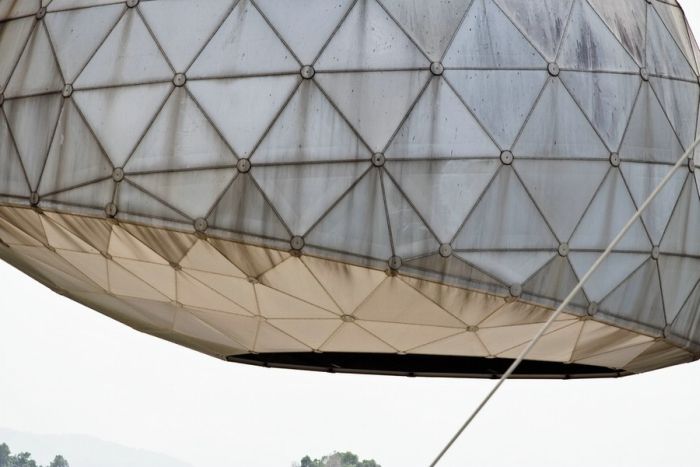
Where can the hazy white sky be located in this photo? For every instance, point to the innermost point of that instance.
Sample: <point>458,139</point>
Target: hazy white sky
<point>67,369</point>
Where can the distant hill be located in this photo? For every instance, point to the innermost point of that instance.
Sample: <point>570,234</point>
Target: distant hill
<point>84,451</point>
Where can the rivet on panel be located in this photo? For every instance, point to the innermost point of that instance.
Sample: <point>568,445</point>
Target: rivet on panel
<point>667,331</point>
<point>175,266</point>
<point>507,157</point>
<point>179,79</point>
<point>34,198</point>
<point>564,250</point>
<point>553,69</point>
<point>655,253</point>
<point>445,250</point>
<point>201,225</point>
<point>592,308</point>
<point>111,209</point>
<point>395,263</point>
<point>691,164</point>
<point>297,242</point>
<point>615,159</point>
<point>516,290</point>
<point>378,159</point>
<point>644,73</point>
<point>132,3</point>
<point>347,318</point>
<point>67,90</point>
<point>307,72</point>
<point>118,174</point>
<point>243,165</point>
<point>436,68</point>
<point>41,13</point>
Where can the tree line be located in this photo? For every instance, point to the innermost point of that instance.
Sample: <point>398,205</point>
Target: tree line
<point>337,459</point>
<point>24,459</point>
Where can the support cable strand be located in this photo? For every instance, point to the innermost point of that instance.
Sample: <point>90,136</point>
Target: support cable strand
<point>685,157</point>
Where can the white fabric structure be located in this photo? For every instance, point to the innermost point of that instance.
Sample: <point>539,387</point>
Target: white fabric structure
<point>382,186</point>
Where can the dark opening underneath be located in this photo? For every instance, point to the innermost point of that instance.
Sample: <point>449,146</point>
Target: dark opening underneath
<point>422,365</point>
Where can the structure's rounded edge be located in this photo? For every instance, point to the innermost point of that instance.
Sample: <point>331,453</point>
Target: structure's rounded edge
<point>423,365</point>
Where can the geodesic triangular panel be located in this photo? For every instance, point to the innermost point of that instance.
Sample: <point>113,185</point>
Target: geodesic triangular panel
<point>609,211</point>
<point>120,116</point>
<point>440,126</point>
<point>679,100</point>
<point>252,46</point>
<point>561,189</point>
<point>371,238</point>
<point>500,99</point>
<point>75,157</point>
<point>663,54</point>
<point>443,192</point>
<point>607,99</point>
<point>74,44</point>
<point>32,121</point>
<point>180,138</point>
<point>590,45</point>
<point>672,16</point>
<point>256,103</point>
<point>680,236</point>
<point>244,209</point>
<point>353,45</point>
<point>627,20</point>
<point>37,71</point>
<point>510,267</point>
<point>13,38</point>
<point>542,21</point>
<point>129,55</point>
<point>641,180</point>
<point>310,129</point>
<point>679,276</point>
<point>650,136</point>
<point>375,103</point>
<point>302,193</point>
<point>557,128</point>
<point>306,25</point>
<point>615,269</point>
<point>487,39</point>
<point>183,27</point>
<point>12,177</point>
<point>505,218</point>
<point>431,24</point>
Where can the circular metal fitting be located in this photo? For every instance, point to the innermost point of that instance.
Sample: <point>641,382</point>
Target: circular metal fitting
<point>667,331</point>
<point>472,328</point>
<point>105,255</point>
<point>111,209</point>
<point>347,318</point>
<point>644,73</point>
<point>593,308</point>
<point>307,72</point>
<point>655,253</point>
<point>436,68</point>
<point>118,174</point>
<point>297,242</point>
<point>615,159</point>
<point>179,79</point>
<point>132,3</point>
<point>395,263</point>
<point>445,250</point>
<point>201,225</point>
<point>378,159</point>
<point>41,13</point>
<point>691,164</point>
<point>67,90</point>
<point>34,198</point>
<point>252,280</point>
<point>564,250</point>
<point>516,290</point>
<point>507,157</point>
<point>2,99</point>
<point>243,165</point>
<point>553,69</point>
<point>175,266</point>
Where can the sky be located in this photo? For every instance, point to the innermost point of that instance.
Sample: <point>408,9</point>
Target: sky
<point>67,369</point>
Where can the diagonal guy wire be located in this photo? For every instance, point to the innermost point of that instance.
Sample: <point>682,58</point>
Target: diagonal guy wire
<point>568,299</point>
